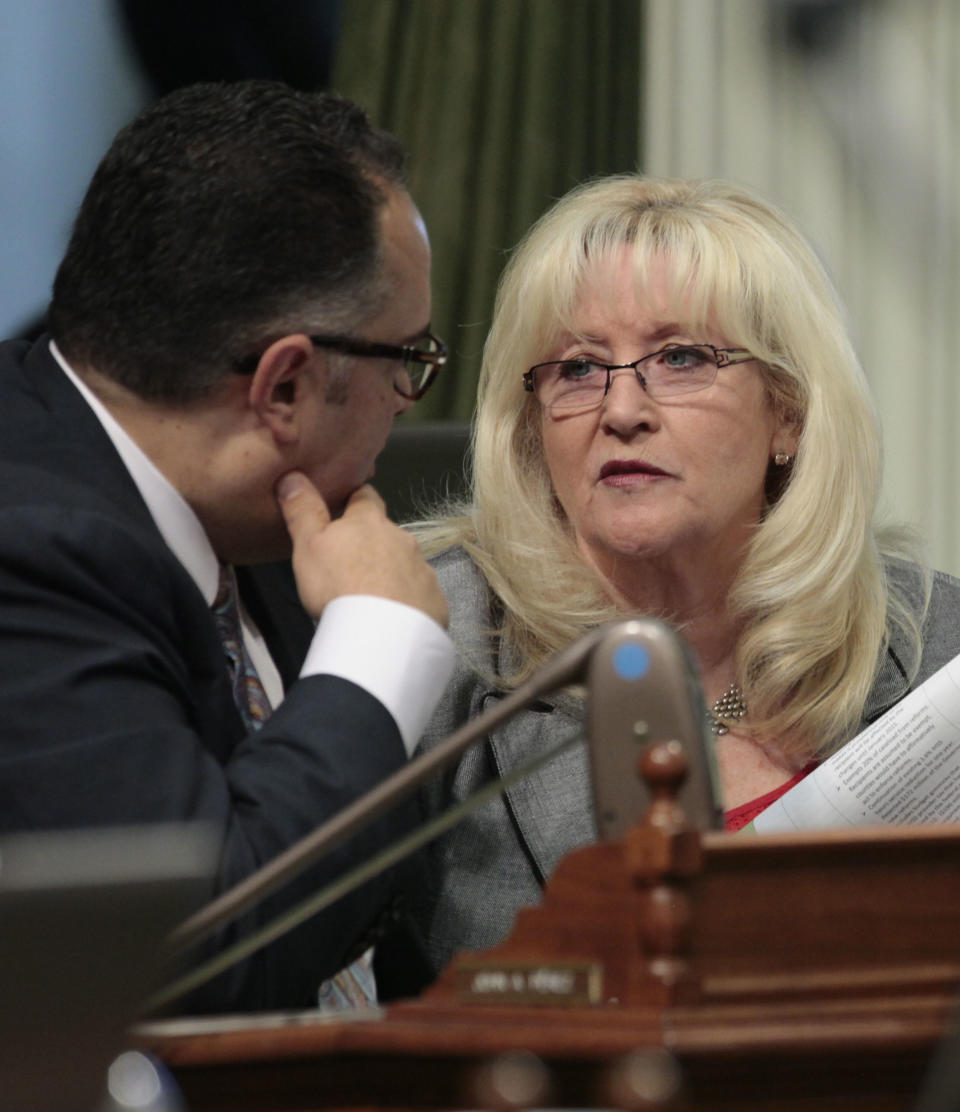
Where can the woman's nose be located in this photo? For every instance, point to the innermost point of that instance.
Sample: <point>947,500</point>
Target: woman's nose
<point>627,403</point>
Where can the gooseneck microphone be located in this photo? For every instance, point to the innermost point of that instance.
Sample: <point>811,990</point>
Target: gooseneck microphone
<point>641,687</point>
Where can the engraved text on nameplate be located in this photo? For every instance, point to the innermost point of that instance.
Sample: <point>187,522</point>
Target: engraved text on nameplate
<point>556,983</point>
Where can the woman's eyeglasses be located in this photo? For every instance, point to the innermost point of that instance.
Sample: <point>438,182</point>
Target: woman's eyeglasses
<point>582,384</point>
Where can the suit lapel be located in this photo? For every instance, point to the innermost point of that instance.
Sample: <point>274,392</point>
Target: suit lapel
<point>50,433</point>
<point>552,808</point>
<point>269,592</point>
<point>56,431</point>
<point>889,687</point>
<point>82,447</point>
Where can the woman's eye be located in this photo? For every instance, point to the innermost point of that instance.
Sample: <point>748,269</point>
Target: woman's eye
<point>575,369</point>
<point>681,358</point>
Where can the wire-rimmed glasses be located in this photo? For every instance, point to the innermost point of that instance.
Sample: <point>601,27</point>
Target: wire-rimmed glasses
<point>581,384</point>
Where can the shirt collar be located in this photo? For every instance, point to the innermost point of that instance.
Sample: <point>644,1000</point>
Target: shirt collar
<point>178,524</point>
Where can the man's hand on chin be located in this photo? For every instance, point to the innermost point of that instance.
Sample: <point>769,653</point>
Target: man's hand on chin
<point>361,552</point>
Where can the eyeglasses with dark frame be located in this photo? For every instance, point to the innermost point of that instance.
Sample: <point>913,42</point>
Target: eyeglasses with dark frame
<point>580,385</point>
<point>421,365</point>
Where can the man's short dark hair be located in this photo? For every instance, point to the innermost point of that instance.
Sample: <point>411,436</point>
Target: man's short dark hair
<point>224,215</point>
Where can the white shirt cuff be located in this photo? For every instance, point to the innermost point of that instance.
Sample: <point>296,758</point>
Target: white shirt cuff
<point>395,652</point>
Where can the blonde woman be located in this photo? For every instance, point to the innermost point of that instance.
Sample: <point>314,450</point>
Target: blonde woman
<point>672,421</point>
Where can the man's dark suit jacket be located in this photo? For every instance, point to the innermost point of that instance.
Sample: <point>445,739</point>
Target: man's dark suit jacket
<point>115,703</point>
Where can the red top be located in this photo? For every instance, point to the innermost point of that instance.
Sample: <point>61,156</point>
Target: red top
<point>741,816</point>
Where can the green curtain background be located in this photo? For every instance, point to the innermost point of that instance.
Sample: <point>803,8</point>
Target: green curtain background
<point>503,105</point>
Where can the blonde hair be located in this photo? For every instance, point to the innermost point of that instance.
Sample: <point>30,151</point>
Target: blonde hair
<point>812,592</point>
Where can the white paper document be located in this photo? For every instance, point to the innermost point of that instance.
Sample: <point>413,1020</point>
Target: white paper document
<point>905,768</point>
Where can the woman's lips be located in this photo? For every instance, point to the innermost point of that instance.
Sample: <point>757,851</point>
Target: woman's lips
<point>626,472</point>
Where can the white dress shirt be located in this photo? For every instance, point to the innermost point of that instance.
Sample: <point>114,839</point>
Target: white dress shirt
<point>396,652</point>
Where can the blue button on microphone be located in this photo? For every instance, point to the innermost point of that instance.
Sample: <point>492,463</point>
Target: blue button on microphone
<point>631,661</point>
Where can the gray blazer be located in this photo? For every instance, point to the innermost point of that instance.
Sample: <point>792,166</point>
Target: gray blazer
<point>497,859</point>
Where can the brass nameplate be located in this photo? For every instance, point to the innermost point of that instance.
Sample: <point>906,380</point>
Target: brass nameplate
<point>553,983</point>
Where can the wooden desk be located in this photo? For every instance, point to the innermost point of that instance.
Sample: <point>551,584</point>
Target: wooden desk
<point>418,1056</point>
<point>791,973</point>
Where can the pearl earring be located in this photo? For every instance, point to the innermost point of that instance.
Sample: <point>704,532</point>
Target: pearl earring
<point>781,459</point>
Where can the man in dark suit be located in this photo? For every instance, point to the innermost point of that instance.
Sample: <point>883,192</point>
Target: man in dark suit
<point>241,313</point>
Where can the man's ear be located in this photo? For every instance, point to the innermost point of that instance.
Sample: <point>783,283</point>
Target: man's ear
<point>279,384</point>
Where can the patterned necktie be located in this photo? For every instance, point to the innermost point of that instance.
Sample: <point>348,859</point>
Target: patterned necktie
<point>248,693</point>
<point>355,986</point>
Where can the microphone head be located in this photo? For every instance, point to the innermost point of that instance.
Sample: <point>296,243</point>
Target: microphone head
<point>643,687</point>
